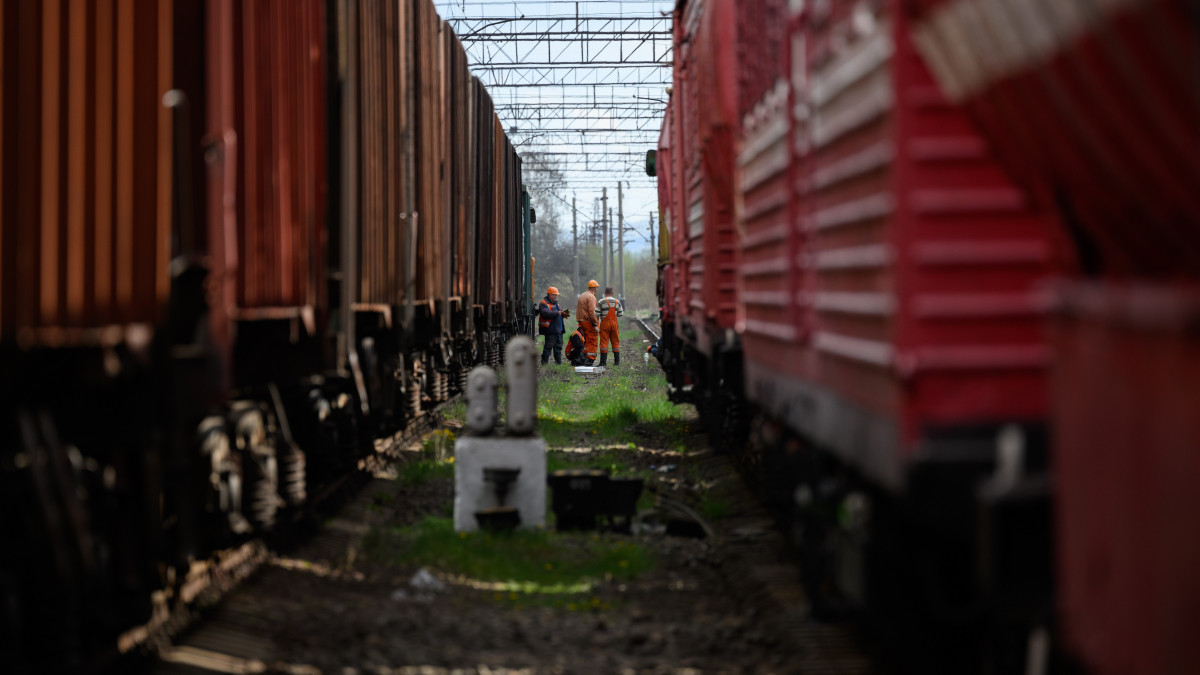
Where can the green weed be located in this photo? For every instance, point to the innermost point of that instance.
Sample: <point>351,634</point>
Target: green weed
<point>515,565</point>
<point>425,470</point>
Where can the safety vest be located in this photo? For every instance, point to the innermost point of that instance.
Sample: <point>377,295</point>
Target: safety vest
<point>571,343</point>
<point>543,322</point>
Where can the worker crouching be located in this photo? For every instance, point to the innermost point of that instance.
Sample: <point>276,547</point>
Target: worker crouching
<point>609,309</point>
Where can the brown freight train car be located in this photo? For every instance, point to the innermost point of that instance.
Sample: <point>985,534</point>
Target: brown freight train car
<point>86,195</point>
<point>202,202</point>
<point>87,236</point>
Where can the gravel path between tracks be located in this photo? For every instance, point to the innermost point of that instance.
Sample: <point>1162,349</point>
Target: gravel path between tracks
<point>732,604</point>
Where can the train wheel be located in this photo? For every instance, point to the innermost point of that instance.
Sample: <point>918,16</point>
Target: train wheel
<point>259,463</point>
<point>293,474</point>
<point>224,484</point>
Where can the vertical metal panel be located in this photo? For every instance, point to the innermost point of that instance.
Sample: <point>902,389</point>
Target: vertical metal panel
<point>103,214</point>
<point>276,117</point>
<point>222,159</point>
<point>1099,109</point>
<point>5,220</point>
<point>80,77</point>
<point>52,69</point>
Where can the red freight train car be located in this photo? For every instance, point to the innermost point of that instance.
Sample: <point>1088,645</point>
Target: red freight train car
<point>889,305</point>
<point>1098,109</point>
<point>702,239</point>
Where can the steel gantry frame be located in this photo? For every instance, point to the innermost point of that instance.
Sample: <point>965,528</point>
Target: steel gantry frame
<point>580,83</point>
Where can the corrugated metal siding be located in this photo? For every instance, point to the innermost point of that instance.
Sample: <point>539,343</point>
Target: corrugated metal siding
<point>709,80</point>
<point>921,258</point>
<point>280,114</point>
<point>847,144</point>
<point>83,134</point>
<point>386,107</point>
<point>485,147</point>
<point>1096,107</point>
<point>431,149</point>
<point>462,198</point>
<point>499,215</point>
<point>766,302</point>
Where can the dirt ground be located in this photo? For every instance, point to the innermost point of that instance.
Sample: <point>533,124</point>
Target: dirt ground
<point>724,605</point>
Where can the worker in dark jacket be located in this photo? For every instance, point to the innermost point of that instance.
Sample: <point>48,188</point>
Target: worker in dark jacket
<point>575,348</point>
<point>550,324</point>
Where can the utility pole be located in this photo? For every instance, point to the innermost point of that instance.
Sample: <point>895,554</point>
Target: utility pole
<point>575,245</point>
<point>604,237</point>
<point>612,268</point>
<point>620,240</point>
<point>653,248</point>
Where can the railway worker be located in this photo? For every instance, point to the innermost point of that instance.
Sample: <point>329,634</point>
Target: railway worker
<point>589,323</point>
<point>575,354</point>
<point>550,324</point>
<point>609,309</point>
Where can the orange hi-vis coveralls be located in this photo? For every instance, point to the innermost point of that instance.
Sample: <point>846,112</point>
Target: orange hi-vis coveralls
<point>589,323</point>
<point>609,309</point>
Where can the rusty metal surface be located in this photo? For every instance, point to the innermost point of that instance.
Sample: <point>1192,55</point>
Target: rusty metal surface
<point>86,195</point>
<point>485,128</point>
<point>282,122</point>
<point>430,149</point>
<point>386,55</point>
<point>462,144</point>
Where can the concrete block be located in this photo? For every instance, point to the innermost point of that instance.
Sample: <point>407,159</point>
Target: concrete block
<point>471,493</point>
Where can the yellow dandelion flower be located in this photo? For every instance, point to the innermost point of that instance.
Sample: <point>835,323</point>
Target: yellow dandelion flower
<point>624,563</point>
<point>549,566</point>
<point>462,535</point>
<point>512,595</point>
<point>572,607</point>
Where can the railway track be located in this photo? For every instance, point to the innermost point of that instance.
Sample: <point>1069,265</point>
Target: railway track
<point>647,328</point>
<point>178,609</point>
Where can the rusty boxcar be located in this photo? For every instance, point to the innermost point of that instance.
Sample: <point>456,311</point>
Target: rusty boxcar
<point>238,241</point>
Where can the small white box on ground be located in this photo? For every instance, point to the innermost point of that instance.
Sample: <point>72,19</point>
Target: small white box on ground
<point>589,370</point>
<point>473,454</point>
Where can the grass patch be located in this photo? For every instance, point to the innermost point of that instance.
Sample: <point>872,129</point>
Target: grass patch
<point>456,411</point>
<point>575,411</point>
<point>425,470</point>
<point>524,566</point>
<point>714,508</point>
<point>598,459</point>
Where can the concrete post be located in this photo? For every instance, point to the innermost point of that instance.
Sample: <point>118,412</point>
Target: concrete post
<point>522,385</point>
<point>481,400</point>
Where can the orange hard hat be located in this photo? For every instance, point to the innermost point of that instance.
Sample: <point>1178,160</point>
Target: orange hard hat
<point>593,284</point>
<point>552,291</point>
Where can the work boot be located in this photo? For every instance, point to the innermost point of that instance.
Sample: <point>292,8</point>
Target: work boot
<point>604,359</point>
<point>557,358</point>
<point>545,359</point>
<point>616,358</point>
